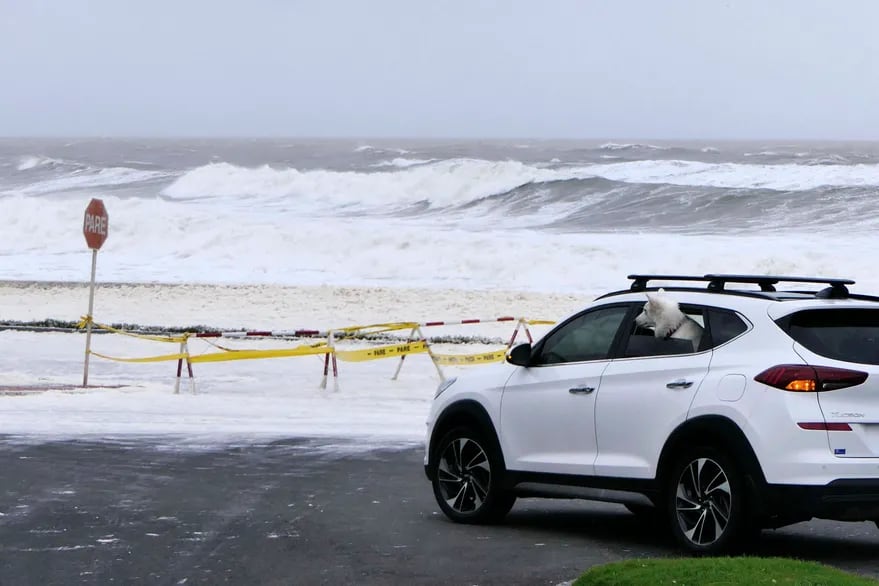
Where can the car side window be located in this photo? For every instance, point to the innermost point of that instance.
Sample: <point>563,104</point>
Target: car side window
<point>588,336</point>
<point>724,325</point>
<point>642,342</point>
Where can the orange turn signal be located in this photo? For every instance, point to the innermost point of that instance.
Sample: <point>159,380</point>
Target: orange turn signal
<point>807,384</point>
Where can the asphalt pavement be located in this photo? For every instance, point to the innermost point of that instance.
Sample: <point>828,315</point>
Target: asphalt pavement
<point>310,512</point>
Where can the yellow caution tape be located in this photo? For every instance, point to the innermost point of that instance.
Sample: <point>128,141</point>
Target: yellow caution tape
<point>226,356</point>
<point>375,353</point>
<point>346,355</point>
<point>84,320</point>
<point>228,349</point>
<point>464,359</point>
<point>382,352</point>
<point>251,354</point>
<point>161,358</point>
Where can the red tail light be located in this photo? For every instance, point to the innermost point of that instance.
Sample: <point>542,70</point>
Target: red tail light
<point>803,378</point>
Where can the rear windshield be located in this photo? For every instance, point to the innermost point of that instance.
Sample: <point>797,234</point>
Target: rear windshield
<point>842,334</point>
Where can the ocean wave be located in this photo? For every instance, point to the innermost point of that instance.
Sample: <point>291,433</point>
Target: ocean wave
<point>599,204</point>
<point>615,146</point>
<point>455,182</point>
<point>828,160</point>
<point>87,177</point>
<point>402,163</point>
<point>369,148</point>
<point>28,162</point>
<point>441,183</point>
<point>403,181</point>
<point>780,177</point>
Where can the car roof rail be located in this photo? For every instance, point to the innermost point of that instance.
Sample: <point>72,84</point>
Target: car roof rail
<point>639,282</point>
<point>836,288</point>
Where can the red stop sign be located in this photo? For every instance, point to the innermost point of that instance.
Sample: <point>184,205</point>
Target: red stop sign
<point>95,225</point>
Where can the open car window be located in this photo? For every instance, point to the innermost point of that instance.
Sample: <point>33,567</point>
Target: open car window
<point>643,342</point>
<point>713,327</point>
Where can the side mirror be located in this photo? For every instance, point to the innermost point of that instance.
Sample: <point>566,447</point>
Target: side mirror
<point>520,355</point>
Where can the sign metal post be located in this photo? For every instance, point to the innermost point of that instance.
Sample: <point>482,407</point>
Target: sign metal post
<point>95,226</point>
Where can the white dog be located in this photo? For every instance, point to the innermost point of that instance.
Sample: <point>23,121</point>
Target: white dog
<point>664,315</point>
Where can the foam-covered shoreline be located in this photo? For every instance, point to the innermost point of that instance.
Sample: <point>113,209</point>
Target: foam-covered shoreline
<point>271,306</point>
<point>240,401</point>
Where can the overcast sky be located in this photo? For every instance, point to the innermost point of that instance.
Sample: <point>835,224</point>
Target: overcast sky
<point>785,69</point>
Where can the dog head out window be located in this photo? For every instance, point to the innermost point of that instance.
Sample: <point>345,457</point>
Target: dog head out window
<point>710,328</point>
<point>664,327</point>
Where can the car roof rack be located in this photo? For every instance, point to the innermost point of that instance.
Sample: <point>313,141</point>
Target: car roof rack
<point>836,288</point>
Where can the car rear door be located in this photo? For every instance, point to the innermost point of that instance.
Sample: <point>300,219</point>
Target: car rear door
<point>643,399</point>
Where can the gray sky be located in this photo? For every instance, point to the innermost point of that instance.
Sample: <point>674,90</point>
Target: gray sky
<point>768,69</point>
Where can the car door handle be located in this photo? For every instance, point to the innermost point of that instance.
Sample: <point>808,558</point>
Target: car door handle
<point>581,390</point>
<point>679,384</point>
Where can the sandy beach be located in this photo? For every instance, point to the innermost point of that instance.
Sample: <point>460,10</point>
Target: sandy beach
<point>270,306</point>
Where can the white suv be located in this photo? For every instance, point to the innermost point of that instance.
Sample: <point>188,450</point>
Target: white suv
<point>772,419</point>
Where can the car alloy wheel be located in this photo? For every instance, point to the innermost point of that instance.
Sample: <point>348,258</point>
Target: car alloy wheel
<point>464,475</point>
<point>706,502</point>
<point>703,501</point>
<point>466,479</point>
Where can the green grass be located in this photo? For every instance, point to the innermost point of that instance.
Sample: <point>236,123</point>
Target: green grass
<point>719,572</point>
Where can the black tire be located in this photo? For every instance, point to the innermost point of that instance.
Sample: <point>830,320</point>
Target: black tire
<point>467,473</point>
<point>706,502</point>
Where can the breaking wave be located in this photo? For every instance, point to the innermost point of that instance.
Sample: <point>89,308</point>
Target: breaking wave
<point>34,161</point>
<point>81,177</point>
<point>460,181</point>
<point>615,146</point>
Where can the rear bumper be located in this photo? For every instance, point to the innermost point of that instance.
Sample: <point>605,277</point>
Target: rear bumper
<point>850,499</point>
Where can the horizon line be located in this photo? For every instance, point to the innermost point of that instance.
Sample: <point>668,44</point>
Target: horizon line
<point>437,138</point>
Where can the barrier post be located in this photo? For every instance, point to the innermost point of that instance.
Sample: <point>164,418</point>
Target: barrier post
<point>189,364</point>
<point>523,324</point>
<point>335,365</point>
<point>403,357</point>
<point>331,355</point>
<point>515,333</point>
<point>183,348</point>
<point>323,381</point>
<point>430,353</point>
<point>527,331</point>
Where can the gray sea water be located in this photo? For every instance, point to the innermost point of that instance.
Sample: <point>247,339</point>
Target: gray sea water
<point>472,214</point>
<point>565,185</point>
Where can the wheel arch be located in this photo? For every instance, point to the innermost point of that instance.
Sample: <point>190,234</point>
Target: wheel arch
<point>461,414</point>
<point>717,431</point>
